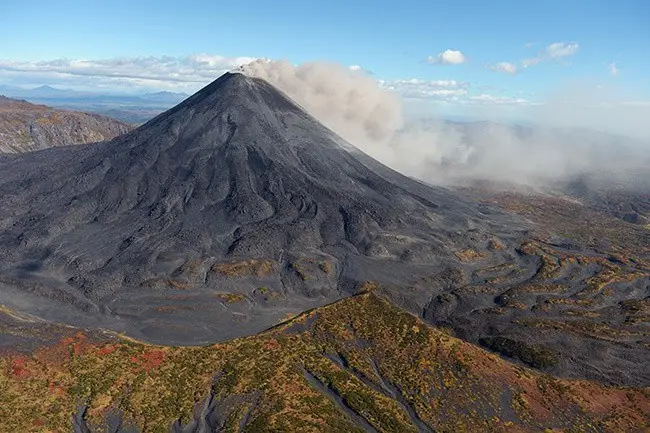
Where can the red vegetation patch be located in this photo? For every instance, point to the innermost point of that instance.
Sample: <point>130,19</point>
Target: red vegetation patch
<point>108,349</point>
<point>18,367</point>
<point>54,355</point>
<point>149,360</point>
<point>79,343</point>
<point>272,345</point>
<point>39,422</point>
<point>55,389</point>
<point>599,400</point>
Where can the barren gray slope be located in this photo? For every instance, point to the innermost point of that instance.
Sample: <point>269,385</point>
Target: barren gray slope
<point>126,234</point>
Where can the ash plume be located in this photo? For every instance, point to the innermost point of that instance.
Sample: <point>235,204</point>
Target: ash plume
<point>355,106</point>
<point>347,101</point>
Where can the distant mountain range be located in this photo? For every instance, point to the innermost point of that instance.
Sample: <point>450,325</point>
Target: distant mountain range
<point>25,127</point>
<point>127,108</point>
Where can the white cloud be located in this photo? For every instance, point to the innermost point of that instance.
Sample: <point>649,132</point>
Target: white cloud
<point>415,88</point>
<point>447,57</point>
<point>437,83</point>
<point>449,92</point>
<point>561,49</point>
<point>500,100</point>
<point>505,67</point>
<point>530,62</point>
<point>360,69</point>
<point>555,51</point>
<point>187,73</point>
<point>636,103</point>
<point>613,69</point>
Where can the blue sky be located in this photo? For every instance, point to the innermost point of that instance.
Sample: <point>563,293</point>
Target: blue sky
<point>576,44</point>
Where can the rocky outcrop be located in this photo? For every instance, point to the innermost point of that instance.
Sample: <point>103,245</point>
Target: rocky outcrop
<point>26,127</point>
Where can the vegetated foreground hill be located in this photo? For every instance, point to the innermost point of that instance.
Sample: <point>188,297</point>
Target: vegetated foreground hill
<point>357,365</point>
<point>25,127</point>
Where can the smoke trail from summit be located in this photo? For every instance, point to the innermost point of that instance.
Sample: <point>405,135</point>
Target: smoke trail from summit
<point>355,105</point>
<point>348,102</point>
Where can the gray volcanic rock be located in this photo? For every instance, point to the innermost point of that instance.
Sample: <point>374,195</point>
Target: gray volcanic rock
<point>217,219</point>
<point>26,127</point>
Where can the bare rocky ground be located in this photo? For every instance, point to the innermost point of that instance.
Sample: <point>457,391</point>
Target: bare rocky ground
<point>26,127</point>
<point>236,209</point>
<point>572,299</point>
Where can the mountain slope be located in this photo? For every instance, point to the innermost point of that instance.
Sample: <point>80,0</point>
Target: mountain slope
<point>357,365</point>
<point>142,230</point>
<point>26,127</point>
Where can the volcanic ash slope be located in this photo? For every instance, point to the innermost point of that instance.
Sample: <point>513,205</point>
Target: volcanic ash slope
<point>219,218</point>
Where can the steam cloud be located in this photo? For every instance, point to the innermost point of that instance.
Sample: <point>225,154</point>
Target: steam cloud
<point>356,107</point>
<point>346,100</point>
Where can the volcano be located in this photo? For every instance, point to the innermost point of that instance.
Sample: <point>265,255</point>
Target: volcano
<point>217,219</point>
<point>237,210</point>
